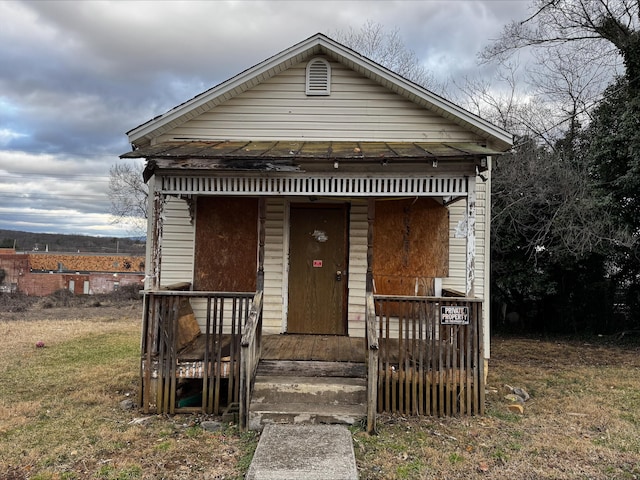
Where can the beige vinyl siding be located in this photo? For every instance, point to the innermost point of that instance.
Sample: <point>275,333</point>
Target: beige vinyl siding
<point>357,109</point>
<point>273,266</point>
<point>357,272</point>
<point>177,243</point>
<point>457,248</point>
<point>481,238</point>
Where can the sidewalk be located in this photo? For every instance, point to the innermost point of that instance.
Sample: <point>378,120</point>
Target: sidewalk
<point>305,452</point>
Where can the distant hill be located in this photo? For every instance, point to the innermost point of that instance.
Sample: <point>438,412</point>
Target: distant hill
<point>52,242</point>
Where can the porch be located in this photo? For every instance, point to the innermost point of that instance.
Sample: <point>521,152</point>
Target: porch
<point>420,356</point>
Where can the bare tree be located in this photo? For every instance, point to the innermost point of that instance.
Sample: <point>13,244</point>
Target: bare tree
<point>128,195</point>
<point>605,30</point>
<point>387,48</point>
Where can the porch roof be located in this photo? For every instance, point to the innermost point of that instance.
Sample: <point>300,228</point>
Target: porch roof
<point>285,155</point>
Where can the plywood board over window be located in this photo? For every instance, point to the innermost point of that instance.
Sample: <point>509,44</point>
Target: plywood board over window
<point>410,246</point>
<point>226,244</point>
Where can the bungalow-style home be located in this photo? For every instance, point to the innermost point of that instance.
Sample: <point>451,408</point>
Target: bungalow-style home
<point>318,245</point>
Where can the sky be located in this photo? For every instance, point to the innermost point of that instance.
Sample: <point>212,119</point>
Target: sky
<point>76,76</point>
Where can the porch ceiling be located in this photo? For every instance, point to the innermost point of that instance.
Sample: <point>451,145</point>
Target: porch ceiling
<point>285,155</point>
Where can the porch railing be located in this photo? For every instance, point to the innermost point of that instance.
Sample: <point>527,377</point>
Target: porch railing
<point>372,363</point>
<point>250,357</point>
<point>214,351</point>
<point>431,358</point>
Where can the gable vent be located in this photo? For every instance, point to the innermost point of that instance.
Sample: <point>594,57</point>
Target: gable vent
<point>318,77</point>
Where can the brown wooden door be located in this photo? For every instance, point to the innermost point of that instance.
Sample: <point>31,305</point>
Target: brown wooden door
<point>317,269</point>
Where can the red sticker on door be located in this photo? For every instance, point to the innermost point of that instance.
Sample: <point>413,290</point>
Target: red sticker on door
<point>317,264</point>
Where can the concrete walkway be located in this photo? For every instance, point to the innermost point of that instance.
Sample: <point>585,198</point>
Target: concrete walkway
<point>305,452</point>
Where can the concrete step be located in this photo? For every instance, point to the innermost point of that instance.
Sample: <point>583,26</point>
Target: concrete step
<point>312,390</point>
<point>308,392</point>
<point>262,414</point>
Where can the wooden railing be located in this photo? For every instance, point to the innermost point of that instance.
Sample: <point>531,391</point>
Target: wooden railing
<point>431,358</point>
<point>372,364</point>
<point>250,357</point>
<point>215,348</point>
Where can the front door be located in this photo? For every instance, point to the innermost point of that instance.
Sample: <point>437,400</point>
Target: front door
<point>317,269</point>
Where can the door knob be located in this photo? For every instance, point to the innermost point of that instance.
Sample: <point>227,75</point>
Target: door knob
<point>338,275</point>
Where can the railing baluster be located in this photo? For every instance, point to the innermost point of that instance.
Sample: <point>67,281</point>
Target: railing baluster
<point>206,371</point>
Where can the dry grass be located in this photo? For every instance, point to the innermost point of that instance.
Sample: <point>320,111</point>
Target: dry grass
<point>60,416</point>
<point>582,421</point>
<point>59,405</point>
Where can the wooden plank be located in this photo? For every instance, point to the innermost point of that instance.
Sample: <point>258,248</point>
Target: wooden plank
<point>312,368</point>
<point>408,358</point>
<point>481,386</point>
<point>399,391</point>
<point>289,344</point>
<point>371,214</point>
<point>427,359</point>
<point>372,390</point>
<point>262,215</point>
<point>476,369</point>
<point>419,409</point>
<point>271,346</point>
<point>451,356</point>
<point>463,370</point>
<point>468,376</point>
<point>217,310</point>
<point>387,366</point>
<point>411,245</point>
<point>435,366</point>
<point>145,350</point>
<point>234,365</point>
<point>226,241</point>
<point>173,357</point>
<point>440,371</point>
<point>333,347</point>
<point>164,360</point>
<point>207,358</point>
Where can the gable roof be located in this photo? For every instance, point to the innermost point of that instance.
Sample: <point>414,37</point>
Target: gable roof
<point>318,44</point>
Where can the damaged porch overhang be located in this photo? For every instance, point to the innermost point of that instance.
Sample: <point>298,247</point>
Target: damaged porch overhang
<point>289,156</point>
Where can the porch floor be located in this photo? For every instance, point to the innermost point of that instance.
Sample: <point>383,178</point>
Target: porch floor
<point>323,348</point>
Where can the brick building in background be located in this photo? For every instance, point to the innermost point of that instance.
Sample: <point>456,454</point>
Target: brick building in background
<point>42,273</point>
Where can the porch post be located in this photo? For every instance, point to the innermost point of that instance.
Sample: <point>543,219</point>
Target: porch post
<point>262,214</point>
<point>371,332</point>
<point>371,215</point>
<point>471,236</point>
<point>156,241</point>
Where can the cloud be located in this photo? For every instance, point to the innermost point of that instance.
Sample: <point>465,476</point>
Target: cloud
<point>75,76</point>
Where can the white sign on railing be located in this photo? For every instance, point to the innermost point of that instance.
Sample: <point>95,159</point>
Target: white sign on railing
<point>454,315</point>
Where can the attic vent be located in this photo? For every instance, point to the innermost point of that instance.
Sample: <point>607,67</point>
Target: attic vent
<point>318,77</point>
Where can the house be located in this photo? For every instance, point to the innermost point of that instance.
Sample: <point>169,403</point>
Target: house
<point>317,213</point>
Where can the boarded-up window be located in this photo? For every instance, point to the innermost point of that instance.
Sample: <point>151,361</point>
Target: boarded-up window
<point>226,244</point>
<point>410,246</point>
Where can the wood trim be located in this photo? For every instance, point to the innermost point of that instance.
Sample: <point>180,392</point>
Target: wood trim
<point>325,185</point>
<point>471,236</point>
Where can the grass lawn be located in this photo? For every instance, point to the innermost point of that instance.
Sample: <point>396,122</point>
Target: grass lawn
<point>60,414</point>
